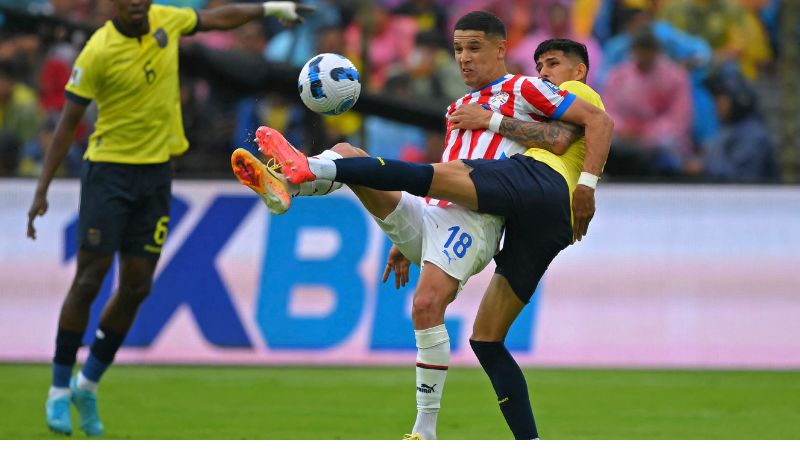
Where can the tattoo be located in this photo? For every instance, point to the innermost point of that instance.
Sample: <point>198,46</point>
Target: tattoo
<point>554,136</point>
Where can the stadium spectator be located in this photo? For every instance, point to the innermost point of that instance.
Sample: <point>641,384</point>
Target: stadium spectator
<point>434,75</point>
<point>649,98</point>
<point>555,24</point>
<point>391,139</point>
<point>391,41</point>
<point>692,52</point>
<point>756,51</point>
<point>719,22</point>
<point>744,149</point>
<point>430,16</point>
<point>295,46</point>
<point>19,117</point>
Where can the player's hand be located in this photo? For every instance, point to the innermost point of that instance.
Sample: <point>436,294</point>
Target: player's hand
<point>582,211</point>
<point>38,208</point>
<point>471,117</point>
<point>400,264</point>
<point>289,13</point>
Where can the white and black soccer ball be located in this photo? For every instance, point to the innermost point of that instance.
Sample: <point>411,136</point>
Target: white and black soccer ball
<point>329,84</point>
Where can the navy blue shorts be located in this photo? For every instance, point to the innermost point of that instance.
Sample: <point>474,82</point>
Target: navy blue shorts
<point>534,199</point>
<point>124,207</point>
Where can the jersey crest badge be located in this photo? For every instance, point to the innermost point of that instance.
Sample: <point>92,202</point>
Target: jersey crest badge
<point>499,99</point>
<point>161,37</point>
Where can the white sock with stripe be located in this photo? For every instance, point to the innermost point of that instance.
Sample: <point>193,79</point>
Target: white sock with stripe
<point>433,359</point>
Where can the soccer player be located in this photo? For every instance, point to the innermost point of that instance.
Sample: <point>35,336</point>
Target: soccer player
<point>129,67</point>
<point>456,242</point>
<point>531,192</point>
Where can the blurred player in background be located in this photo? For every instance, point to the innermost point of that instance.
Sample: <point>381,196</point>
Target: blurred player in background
<point>129,67</point>
<point>455,241</point>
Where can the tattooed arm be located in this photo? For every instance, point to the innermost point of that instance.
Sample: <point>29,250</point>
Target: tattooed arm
<point>554,136</point>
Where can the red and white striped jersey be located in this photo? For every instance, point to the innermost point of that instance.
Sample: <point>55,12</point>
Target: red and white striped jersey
<point>524,98</point>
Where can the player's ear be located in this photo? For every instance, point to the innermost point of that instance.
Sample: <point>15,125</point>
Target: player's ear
<point>501,48</point>
<point>581,71</point>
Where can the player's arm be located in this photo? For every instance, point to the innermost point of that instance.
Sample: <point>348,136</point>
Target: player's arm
<point>53,156</point>
<point>553,136</point>
<point>237,14</point>
<point>598,127</point>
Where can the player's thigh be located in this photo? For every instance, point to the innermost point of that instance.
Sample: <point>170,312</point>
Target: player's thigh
<point>459,241</point>
<point>380,204</point>
<point>106,207</point>
<point>147,230</point>
<point>404,226</point>
<point>452,182</point>
<point>499,307</point>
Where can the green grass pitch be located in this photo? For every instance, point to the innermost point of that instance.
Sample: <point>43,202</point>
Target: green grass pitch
<point>378,403</point>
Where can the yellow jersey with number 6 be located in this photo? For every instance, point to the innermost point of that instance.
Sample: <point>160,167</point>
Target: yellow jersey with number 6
<point>134,81</point>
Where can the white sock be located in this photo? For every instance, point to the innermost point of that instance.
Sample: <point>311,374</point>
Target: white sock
<point>324,169</point>
<point>57,392</point>
<point>433,359</point>
<point>86,384</point>
<point>318,186</point>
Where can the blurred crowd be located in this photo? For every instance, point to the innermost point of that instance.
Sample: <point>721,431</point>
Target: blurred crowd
<point>689,83</point>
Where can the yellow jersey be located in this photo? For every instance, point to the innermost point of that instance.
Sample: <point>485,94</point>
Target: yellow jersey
<point>134,81</point>
<point>569,164</point>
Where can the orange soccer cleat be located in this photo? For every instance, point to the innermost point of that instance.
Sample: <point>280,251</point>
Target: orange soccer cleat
<point>262,179</point>
<point>293,163</point>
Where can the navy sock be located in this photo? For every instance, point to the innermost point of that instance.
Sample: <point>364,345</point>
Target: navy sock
<point>104,348</point>
<point>509,385</point>
<point>67,345</point>
<point>385,174</point>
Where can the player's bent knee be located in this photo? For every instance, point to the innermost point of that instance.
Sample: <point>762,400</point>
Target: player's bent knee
<point>86,287</point>
<point>428,310</point>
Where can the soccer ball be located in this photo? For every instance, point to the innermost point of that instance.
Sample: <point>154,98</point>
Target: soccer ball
<point>328,84</point>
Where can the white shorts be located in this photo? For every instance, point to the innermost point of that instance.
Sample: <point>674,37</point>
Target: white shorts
<point>459,241</point>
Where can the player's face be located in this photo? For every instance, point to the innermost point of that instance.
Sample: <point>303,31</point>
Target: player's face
<point>480,58</point>
<point>132,12</point>
<point>556,67</point>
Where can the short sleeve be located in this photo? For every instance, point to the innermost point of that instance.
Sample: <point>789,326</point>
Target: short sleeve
<point>584,92</point>
<point>83,83</point>
<point>187,20</point>
<point>545,97</point>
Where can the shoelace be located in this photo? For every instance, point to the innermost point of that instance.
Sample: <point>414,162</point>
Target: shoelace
<point>274,165</point>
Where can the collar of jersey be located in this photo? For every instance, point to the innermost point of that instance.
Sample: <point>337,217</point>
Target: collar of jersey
<point>501,79</point>
<point>115,22</point>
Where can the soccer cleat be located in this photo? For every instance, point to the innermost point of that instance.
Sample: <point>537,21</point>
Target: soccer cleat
<point>264,181</point>
<point>58,417</point>
<point>86,403</point>
<point>413,437</point>
<point>294,164</point>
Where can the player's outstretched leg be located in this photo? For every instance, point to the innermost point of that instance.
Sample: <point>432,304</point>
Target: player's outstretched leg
<point>259,177</point>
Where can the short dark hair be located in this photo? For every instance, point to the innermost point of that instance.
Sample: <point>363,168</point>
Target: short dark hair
<point>482,21</point>
<point>568,46</point>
